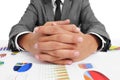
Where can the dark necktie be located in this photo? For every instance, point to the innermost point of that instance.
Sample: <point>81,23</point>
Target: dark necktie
<point>58,10</point>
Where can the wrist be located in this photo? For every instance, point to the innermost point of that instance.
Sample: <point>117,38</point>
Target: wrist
<point>95,40</point>
<point>24,41</point>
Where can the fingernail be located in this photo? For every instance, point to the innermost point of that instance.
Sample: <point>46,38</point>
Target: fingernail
<point>69,62</point>
<point>54,24</point>
<point>80,39</point>
<point>35,29</point>
<point>68,20</point>
<point>77,29</point>
<point>36,46</point>
<point>76,54</point>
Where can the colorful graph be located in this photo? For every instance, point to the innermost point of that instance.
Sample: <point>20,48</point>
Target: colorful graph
<point>14,53</point>
<point>94,75</point>
<point>114,48</point>
<point>1,63</point>
<point>85,65</point>
<point>3,48</point>
<point>61,73</point>
<point>22,67</point>
<point>2,55</point>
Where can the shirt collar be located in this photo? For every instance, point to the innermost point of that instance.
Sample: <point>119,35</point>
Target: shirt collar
<point>53,1</point>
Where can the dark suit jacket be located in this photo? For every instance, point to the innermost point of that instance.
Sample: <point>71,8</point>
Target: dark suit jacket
<point>40,11</point>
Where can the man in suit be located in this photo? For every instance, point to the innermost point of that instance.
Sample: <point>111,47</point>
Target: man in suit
<point>72,35</point>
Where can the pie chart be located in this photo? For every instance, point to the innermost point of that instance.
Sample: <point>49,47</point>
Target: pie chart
<point>94,75</point>
<point>22,67</point>
<point>1,63</point>
<point>3,55</point>
<point>85,65</point>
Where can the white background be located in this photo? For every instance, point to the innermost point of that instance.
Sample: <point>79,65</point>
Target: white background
<point>107,11</point>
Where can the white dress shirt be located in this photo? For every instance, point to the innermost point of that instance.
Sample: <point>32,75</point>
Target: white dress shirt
<point>54,8</point>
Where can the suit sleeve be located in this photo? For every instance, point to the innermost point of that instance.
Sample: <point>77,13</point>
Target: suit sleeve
<point>89,23</point>
<point>27,23</point>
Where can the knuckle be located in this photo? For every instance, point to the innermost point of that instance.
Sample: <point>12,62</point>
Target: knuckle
<point>73,27</point>
<point>48,30</point>
<point>42,29</point>
<point>59,37</point>
<point>52,30</point>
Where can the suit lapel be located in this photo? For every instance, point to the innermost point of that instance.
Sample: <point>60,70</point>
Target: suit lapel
<point>66,9</point>
<point>49,10</point>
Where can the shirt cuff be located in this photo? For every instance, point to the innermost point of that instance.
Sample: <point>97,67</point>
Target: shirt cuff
<point>101,38</point>
<point>16,40</point>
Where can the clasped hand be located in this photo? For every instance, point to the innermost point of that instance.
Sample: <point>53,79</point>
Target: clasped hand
<point>59,42</point>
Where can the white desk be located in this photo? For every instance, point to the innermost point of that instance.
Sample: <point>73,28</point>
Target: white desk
<point>105,63</point>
